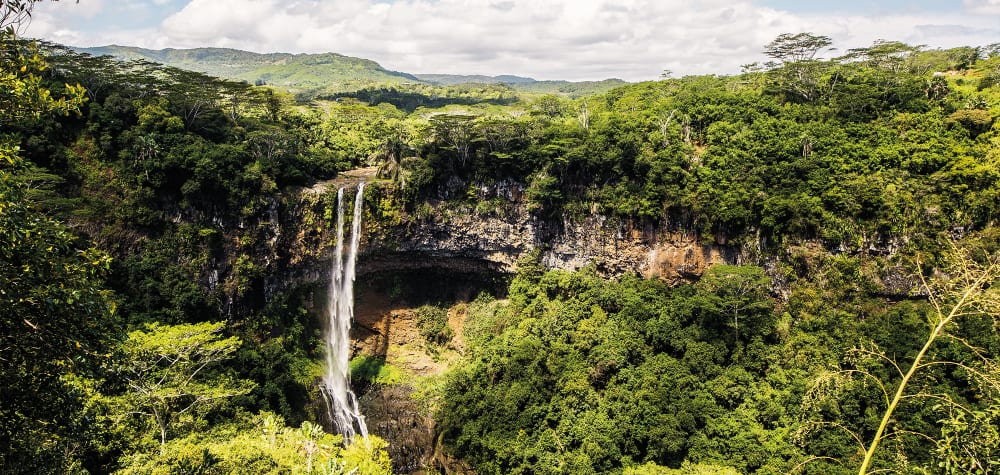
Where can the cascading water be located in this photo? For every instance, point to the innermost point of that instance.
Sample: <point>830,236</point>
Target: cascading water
<point>340,399</point>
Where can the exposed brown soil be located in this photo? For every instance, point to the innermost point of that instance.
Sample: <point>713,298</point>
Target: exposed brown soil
<point>395,412</point>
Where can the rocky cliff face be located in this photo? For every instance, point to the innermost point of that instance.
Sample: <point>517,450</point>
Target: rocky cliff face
<point>484,238</point>
<point>495,233</point>
<point>488,236</point>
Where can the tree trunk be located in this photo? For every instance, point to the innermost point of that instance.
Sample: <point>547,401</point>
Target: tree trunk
<point>161,422</point>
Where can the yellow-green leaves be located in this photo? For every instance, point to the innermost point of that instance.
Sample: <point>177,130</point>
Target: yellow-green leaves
<point>173,369</point>
<point>22,94</point>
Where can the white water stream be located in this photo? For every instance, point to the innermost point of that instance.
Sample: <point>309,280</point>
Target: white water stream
<point>343,406</point>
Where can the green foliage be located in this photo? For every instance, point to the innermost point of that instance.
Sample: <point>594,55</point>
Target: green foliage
<point>591,374</point>
<point>262,444</point>
<point>367,455</point>
<point>57,317</point>
<point>685,469</point>
<point>579,374</point>
<point>432,321</point>
<point>976,121</point>
<point>572,89</point>
<point>373,370</point>
<point>23,97</point>
<point>171,371</point>
<point>180,177</point>
<point>569,88</point>
<point>411,97</point>
<point>969,442</point>
<point>279,361</point>
<point>732,291</point>
<point>160,285</point>
<point>848,150</point>
<point>57,324</point>
<point>485,317</point>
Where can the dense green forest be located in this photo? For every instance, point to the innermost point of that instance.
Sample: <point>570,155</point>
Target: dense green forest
<point>863,337</point>
<point>118,355</point>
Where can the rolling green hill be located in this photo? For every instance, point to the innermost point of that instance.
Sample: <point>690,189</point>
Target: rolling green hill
<point>299,73</point>
<point>310,75</point>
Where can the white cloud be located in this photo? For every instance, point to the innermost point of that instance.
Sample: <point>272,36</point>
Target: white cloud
<point>92,22</point>
<point>565,39</point>
<point>571,39</point>
<point>983,7</point>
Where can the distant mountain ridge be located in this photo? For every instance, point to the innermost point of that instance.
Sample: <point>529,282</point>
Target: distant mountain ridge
<point>449,79</point>
<point>525,84</point>
<point>312,74</point>
<point>296,72</point>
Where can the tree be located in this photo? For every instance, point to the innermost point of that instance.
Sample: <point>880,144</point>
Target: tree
<point>272,101</point>
<point>550,105</point>
<point>797,71</point>
<point>272,147</point>
<point>55,314</point>
<point>170,370</point>
<point>367,455</point>
<point>789,48</point>
<point>500,133</point>
<point>391,150</point>
<point>97,74</point>
<point>737,291</point>
<point>196,95</point>
<point>686,469</point>
<point>308,436</point>
<point>22,96</point>
<point>457,131</point>
<point>584,116</point>
<point>55,321</point>
<point>970,441</point>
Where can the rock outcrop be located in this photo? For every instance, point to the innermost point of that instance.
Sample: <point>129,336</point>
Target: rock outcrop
<point>494,234</point>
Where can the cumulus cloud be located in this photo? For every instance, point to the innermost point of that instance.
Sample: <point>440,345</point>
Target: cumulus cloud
<point>551,39</point>
<point>95,22</point>
<point>573,39</point>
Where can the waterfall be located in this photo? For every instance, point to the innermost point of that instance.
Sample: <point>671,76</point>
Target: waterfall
<point>343,406</point>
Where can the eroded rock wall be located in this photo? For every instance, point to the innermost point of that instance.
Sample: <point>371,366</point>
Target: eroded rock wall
<point>499,230</point>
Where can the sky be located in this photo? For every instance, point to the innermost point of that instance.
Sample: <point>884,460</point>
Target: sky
<point>576,40</point>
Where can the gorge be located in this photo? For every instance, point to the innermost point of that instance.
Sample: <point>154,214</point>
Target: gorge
<point>708,274</point>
